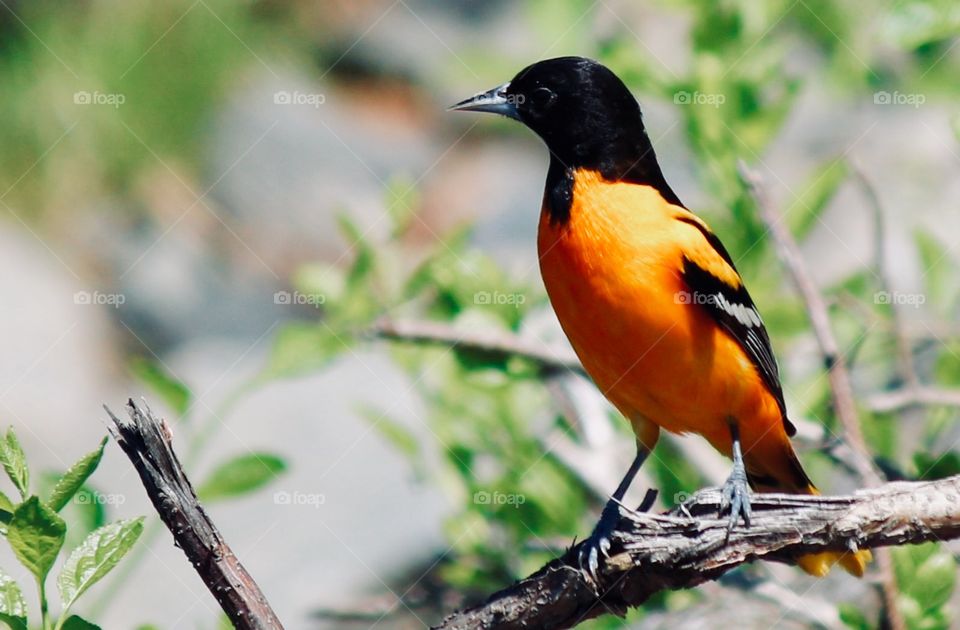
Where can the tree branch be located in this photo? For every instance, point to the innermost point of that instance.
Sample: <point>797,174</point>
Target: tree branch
<point>550,359</point>
<point>146,440</point>
<point>688,546</point>
<point>914,396</point>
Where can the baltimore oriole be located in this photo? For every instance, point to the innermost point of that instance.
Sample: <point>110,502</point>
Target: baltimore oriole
<point>648,295</point>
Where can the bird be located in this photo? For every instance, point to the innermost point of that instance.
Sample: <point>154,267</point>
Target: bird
<point>648,296</point>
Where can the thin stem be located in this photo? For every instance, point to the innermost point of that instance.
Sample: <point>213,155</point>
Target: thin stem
<point>44,612</point>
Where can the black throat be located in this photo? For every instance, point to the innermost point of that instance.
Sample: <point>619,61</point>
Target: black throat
<point>636,166</point>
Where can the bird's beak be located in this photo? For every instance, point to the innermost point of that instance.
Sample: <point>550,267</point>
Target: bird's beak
<point>494,101</point>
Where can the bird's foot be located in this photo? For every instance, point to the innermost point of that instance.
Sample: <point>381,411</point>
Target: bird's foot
<point>735,496</point>
<point>598,544</point>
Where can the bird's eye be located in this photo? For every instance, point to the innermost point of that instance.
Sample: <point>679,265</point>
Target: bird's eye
<point>542,98</point>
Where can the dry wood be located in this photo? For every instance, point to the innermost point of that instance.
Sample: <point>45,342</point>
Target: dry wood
<point>146,440</point>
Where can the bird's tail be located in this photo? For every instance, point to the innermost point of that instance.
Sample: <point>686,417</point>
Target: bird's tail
<point>783,472</point>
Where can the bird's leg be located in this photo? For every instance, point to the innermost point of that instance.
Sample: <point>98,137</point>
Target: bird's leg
<point>736,490</point>
<point>599,540</point>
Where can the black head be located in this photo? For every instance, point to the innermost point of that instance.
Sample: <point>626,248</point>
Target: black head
<point>583,112</point>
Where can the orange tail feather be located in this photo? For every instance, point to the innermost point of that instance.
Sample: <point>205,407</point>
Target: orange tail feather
<point>782,472</point>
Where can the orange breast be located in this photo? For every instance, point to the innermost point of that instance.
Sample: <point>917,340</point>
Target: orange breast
<point>613,272</point>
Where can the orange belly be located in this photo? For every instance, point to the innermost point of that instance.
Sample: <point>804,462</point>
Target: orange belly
<point>613,274</point>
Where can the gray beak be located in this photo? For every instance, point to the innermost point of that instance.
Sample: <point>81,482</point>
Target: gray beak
<point>494,101</point>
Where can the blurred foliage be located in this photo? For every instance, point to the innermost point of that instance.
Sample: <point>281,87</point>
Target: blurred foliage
<point>734,85</point>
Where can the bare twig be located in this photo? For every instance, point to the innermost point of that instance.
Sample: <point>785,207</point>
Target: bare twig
<point>841,386</point>
<point>551,360</point>
<point>917,396</point>
<point>912,392</point>
<point>905,365</point>
<point>146,440</point>
<point>653,552</point>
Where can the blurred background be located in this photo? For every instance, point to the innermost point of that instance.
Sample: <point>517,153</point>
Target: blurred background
<point>215,205</point>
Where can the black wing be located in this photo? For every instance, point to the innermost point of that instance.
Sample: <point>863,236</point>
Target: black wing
<point>733,308</point>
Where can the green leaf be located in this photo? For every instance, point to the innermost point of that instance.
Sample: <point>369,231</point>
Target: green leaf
<point>402,200</point>
<point>6,508</point>
<point>364,260</point>
<point>14,623</point>
<point>934,580</point>
<point>930,467</point>
<point>36,535</point>
<point>808,207</point>
<point>399,436</point>
<point>15,462</point>
<point>241,475</point>
<point>853,617</point>
<point>95,557</point>
<point>74,622</point>
<point>13,609</point>
<point>301,347</point>
<point>918,24</point>
<point>73,479</point>
<point>321,279</point>
<point>937,267</point>
<point>170,389</point>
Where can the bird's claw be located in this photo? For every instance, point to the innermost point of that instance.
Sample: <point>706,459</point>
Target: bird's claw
<point>598,544</point>
<point>735,496</point>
